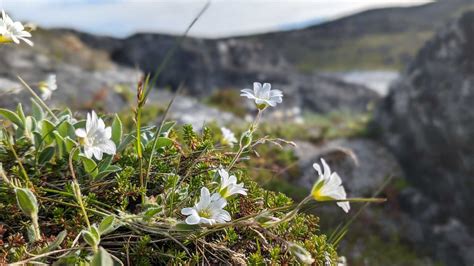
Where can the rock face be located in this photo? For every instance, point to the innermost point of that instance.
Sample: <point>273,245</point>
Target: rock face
<point>427,121</point>
<point>209,65</point>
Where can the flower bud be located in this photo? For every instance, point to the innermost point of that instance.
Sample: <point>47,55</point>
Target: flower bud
<point>92,237</point>
<point>27,202</point>
<point>246,139</point>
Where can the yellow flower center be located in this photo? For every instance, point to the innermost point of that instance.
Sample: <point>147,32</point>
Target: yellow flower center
<point>205,213</point>
<point>4,39</point>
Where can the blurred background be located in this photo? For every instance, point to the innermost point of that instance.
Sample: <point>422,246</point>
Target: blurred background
<point>382,89</point>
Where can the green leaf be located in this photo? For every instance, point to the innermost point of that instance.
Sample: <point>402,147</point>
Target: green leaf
<point>111,169</point>
<point>90,238</point>
<point>14,118</point>
<point>117,130</point>
<point>47,129</point>
<point>105,162</point>
<point>186,227</point>
<point>60,144</point>
<point>127,140</point>
<point>21,114</point>
<point>37,110</point>
<point>70,144</point>
<point>163,142</point>
<point>46,155</point>
<point>107,225</point>
<point>38,139</point>
<point>102,258</point>
<point>66,129</point>
<point>80,124</point>
<point>89,165</point>
<point>27,202</point>
<point>152,211</point>
<point>56,243</point>
<point>167,126</point>
<point>30,124</point>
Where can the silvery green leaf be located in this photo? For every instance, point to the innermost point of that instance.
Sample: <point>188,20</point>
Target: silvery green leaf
<point>47,129</point>
<point>102,258</point>
<point>107,225</point>
<point>56,243</point>
<point>14,118</point>
<point>66,129</point>
<point>37,110</point>
<point>21,114</point>
<point>117,130</point>
<point>167,126</point>
<point>90,238</point>
<point>27,202</point>
<point>89,165</point>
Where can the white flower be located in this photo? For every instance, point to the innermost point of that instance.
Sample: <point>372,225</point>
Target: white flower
<point>263,95</point>
<point>13,31</point>
<point>228,137</point>
<point>48,86</point>
<point>96,137</point>
<point>229,185</point>
<point>342,261</point>
<point>329,186</point>
<point>209,210</point>
<point>301,254</point>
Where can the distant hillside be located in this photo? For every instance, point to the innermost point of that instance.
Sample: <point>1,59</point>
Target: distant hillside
<point>377,39</point>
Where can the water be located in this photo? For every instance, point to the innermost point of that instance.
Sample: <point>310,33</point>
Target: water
<point>378,80</point>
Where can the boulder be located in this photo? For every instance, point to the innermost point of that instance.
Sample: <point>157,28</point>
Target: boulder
<point>427,122</point>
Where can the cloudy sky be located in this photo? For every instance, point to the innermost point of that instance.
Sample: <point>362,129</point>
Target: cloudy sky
<point>121,18</point>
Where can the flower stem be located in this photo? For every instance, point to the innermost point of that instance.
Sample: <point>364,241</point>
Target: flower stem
<point>40,101</point>
<point>77,189</point>
<point>252,129</point>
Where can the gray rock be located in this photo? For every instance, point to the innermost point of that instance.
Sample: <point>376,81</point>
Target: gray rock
<point>427,121</point>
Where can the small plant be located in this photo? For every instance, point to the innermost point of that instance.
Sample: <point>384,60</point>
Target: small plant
<point>95,194</point>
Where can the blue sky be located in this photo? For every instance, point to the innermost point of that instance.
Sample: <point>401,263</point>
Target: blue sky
<point>121,18</point>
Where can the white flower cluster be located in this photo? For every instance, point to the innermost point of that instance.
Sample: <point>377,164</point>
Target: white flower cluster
<point>210,208</point>
<point>13,31</point>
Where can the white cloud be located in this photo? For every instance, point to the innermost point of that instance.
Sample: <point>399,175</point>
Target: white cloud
<point>223,18</point>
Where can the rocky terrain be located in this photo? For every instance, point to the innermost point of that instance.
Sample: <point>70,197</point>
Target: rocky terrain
<point>426,120</point>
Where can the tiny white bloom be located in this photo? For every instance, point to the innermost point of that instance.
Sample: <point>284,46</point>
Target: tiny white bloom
<point>342,261</point>
<point>263,95</point>
<point>301,253</point>
<point>209,210</point>
<point>329,186</point>
<point>47,87</point>
<point>96,137</point>
<point>13,31</point>
<point>229,186</point>
<point>228,137</point>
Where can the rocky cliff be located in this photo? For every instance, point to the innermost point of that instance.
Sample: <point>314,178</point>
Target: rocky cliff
<point>427,121</point>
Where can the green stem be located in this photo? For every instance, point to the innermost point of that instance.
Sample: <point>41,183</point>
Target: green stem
<point>78,189</point>
<point>36,228</point>
<point>252,129</point>
<point>40,101</point>
<point>23,171</point>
